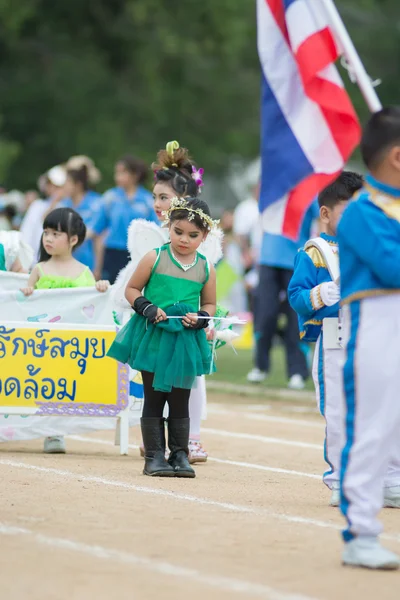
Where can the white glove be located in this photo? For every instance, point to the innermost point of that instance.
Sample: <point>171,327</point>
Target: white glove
<point>330,293</point>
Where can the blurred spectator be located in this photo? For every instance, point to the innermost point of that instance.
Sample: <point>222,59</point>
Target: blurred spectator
<point>51,185</point>
<point>247,228</point>
<point>119,206</point>
<point>248,231</point>
<point>8,213</point>
<point>86,202</point>
<point>230,287</point>
<point>30,197</point>
<point>275,271</point>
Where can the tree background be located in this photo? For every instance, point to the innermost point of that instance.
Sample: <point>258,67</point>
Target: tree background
<point>108,77</point>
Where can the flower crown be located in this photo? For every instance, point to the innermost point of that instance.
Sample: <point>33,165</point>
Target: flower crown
<point>183,204</point>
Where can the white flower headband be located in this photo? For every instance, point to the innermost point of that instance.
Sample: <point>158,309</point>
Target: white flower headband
<point>183,204</point>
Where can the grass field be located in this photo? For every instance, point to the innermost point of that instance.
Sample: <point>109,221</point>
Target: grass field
<point>233,367</point>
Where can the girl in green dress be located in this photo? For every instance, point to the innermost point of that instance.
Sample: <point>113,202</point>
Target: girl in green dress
<point>173,294</point>
<point>63,232</point>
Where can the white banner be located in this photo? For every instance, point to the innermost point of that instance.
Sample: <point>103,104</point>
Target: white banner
<point>79,306</point>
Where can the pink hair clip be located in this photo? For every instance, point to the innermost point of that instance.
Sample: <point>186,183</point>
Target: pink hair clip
<point>197,175</point>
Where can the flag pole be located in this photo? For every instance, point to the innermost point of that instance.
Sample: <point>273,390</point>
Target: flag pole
<point>350,52</point>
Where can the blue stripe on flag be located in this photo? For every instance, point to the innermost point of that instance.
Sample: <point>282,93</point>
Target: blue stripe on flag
<point>350,393</point>
<point>287,3</point>
<point>284,163</point>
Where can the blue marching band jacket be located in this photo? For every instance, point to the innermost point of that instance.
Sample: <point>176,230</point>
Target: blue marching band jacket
<point>316,263</point>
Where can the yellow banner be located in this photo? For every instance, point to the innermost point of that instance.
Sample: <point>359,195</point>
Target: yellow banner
<point>60,369</point>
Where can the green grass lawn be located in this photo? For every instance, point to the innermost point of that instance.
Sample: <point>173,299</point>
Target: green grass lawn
<point>233,368</point>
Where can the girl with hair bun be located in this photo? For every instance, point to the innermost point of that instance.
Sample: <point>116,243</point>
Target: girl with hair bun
<point>175,175</point>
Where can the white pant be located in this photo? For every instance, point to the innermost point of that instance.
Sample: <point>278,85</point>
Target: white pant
<point>371,456</point>
<point>327,372</point>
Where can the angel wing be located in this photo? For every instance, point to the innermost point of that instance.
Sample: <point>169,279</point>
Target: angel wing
<point>212,246</point>
<point>143,236</point>
<point>15,247</point>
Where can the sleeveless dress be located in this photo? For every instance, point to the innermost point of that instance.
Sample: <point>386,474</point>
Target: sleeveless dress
<point>174,353</point>
<point>57,282</point>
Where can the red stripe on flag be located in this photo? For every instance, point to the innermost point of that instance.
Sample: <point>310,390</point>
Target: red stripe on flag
<point>300,199</point>
<point>277,8</point>
<point>315,54</point>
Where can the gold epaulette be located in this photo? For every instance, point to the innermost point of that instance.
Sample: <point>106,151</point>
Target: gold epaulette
<point>316,257</point>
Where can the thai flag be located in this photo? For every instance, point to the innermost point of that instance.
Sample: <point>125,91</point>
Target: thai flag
<point>308,125</point>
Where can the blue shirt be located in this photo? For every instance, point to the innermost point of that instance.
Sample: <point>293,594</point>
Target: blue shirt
<point>117,211</point>
<point>278,251</point>
<point>88,210</point>
<point>309,272</point>
<point>369,243</point>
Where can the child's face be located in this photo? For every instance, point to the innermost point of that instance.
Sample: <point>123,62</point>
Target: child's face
<point>57,243</point>
<point>330,217</point>
<point>162,196</point>
<point>185,237</point>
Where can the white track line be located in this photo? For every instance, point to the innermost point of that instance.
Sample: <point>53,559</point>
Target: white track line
<point>259,417</point>
<point>237,508</point>
<point>225,584</point>
<point>234,463</point>
<point>261,438</point>
<point>227,506</point>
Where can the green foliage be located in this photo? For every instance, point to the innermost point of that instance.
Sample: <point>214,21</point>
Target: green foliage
<point>106,77</point>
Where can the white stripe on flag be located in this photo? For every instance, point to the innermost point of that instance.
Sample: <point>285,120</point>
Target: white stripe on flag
<point>304,18</point>
<point>273,216</point>
<point>304,116</point>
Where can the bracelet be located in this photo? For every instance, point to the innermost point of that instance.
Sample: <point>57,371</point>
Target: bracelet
<point>148,306</point>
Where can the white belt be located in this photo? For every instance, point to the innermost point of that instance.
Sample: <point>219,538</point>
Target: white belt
<point>332,333</point>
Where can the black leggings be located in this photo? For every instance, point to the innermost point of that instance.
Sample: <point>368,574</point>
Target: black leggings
<point>154,402</point>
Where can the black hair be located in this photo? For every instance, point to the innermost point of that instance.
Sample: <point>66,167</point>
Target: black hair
<point>181,183</point>
<point>342,189</point>
<point>135,166</point>
<point>80,175</point>
<point>67,221</point>
<point>381,133</point>
<point>181,214</point>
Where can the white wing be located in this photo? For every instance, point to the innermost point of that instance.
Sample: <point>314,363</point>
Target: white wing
<point>143,236</point>
<point>15,247</point>
<point>212,246</point>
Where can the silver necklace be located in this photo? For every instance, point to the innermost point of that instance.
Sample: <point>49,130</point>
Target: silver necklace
<point>184,267</point>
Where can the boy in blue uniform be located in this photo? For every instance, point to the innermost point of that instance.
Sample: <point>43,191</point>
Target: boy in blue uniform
<point>314,294</point>
<point>369,242</point>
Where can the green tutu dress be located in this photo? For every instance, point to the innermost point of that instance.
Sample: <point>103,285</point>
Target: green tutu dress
<point>174,353</point>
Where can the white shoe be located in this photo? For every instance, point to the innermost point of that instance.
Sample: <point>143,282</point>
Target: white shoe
<point>335,497</point>
<point>54,445</point>
<point>256,376</point>
<point>366,551</point>
<point>196,452</point>
<point>392,497</point>
<point>296,382</point>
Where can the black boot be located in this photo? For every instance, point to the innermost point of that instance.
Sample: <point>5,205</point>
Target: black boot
<point>178,440</point>
<point>153,432</point>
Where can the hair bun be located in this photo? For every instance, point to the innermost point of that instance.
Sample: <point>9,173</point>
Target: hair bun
<point>173,157</point>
